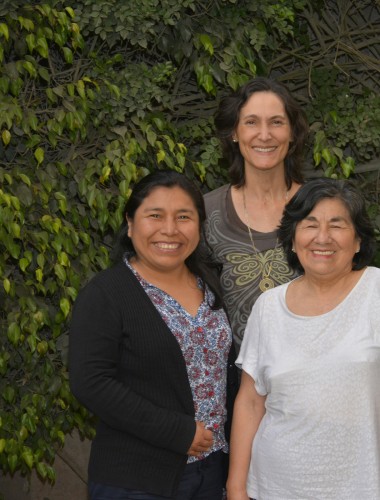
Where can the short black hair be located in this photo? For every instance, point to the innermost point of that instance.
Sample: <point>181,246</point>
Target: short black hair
<point>304,201</point>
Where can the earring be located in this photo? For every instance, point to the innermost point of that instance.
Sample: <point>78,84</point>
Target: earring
<point>234,140</point>
<point>293,250</point>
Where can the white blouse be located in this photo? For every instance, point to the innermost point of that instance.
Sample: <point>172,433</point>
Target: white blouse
<point>320,436</point>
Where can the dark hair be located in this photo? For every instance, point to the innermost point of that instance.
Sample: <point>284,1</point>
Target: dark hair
<point>304,201</point>
<point>200,262</point>
<point>227,118</point>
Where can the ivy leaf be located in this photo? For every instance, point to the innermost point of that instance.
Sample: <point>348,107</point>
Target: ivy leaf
<point>30,69</point>
<point>39,155</point>
<point>81,89</point>
<point>44,74</point>
<point>348,166</point>
<point>13,248</point>
<point>64,305</point>
<point>4,31</point>
<point>42,47</point>
<point>70,11</point>
<point>12,462</point>
<point>6,137</point>
<point>42,347</point>
<point>25,179</point>
<point>23,433</point>
<point>41,469</point>
<point>160,156</point>
<point>207,44</point>
<point>6,285</point>
<point>151,136</point>
<point>68,55</point>
<point>60,272</point>
<point>23,264</point>
<point>8,394</point>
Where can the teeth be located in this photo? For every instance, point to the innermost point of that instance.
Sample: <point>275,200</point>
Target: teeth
<point>264,150</point>
<point>168,246</point>
<point>326,252</point>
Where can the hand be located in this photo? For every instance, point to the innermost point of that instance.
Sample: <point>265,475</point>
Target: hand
<point>202,440</point>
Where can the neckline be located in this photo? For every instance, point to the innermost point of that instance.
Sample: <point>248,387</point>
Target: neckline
<point>148,284</point>
<point>300,316</point>
<point>236,221</point>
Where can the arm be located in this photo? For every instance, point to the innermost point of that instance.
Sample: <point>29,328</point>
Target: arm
<point>97,379</point>
<point>249,409</point>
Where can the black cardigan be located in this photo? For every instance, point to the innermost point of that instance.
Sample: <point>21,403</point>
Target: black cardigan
<point>127,368</point>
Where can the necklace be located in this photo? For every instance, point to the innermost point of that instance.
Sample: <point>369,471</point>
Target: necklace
<point>266,282</point>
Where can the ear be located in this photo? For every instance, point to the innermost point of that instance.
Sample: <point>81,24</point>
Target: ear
<point>130,226</point>
<point>359,240</point>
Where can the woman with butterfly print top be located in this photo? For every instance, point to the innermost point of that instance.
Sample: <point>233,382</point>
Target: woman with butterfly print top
<point>262,131</point>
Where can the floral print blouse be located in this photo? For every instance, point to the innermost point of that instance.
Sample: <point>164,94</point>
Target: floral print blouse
<point>205,340</point>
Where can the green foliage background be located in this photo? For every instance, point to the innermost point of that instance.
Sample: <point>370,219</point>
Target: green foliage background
<point>94,95</point>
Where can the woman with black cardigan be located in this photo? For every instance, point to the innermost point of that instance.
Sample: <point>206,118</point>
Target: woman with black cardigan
<point>149,348</point>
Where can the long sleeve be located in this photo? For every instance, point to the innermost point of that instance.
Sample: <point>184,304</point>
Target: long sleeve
<point>126,367</point>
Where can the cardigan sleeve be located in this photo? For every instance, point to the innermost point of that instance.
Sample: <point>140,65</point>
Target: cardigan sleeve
<point>94,369</point>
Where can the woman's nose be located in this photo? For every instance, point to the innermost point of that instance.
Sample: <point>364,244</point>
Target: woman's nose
<point>169,226</point>
<point>323,235</point>
<point>264,132</point>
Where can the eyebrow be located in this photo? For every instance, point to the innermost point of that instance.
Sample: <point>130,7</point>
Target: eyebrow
<point>252,115</point>
<point>161,209</point>
<point>338,218</point>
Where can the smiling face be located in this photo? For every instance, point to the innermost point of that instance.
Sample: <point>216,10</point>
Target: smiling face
<point>263,131</point>
<point>325,241</point>
<point>165,229</point>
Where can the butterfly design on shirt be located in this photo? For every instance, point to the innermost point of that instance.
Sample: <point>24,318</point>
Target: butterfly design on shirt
<point>269,267</point>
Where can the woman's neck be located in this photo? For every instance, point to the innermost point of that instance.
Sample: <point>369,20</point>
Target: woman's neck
<point>316,295</point>
<point>260,202</point>
<point>179,283</point>
<point>265,186</point>
<point>160,277</point>
<point>320,286</point>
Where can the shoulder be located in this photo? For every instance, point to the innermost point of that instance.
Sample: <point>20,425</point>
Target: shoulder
<point>369,296</point>
<point>374,272</point>
<point>111,281</point>
<point>372,275</point>
<point>117,272</point>
<point>214,198</point>
<point>115,290</point>
<point>217,193</point>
